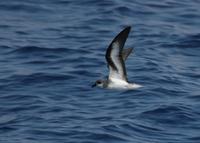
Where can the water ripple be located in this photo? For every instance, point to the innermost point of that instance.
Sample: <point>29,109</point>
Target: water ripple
<point>51,52</point>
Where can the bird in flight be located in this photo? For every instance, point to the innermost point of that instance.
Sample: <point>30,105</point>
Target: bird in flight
<point>116,57</point>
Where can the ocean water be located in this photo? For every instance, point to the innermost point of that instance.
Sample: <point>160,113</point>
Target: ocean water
<point>52,51</point>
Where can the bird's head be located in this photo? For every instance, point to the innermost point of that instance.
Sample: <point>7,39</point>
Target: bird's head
<point>99,83</point>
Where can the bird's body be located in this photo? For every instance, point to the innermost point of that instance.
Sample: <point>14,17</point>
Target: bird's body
<point>121,84</point>
<point>115,57</point>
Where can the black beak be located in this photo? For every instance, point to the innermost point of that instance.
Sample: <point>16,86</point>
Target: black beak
<point>94,85</point>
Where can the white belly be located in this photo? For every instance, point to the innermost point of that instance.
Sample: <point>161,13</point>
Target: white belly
<point>121,84</point>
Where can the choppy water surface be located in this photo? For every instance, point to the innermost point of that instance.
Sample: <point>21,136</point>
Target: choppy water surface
<point>52,51</point>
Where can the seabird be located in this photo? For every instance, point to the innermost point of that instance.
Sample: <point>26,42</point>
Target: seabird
<point>116,57</point>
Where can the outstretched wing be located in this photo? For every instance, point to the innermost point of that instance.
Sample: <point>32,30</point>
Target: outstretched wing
<point>126,52</point>
<point>114,56</point>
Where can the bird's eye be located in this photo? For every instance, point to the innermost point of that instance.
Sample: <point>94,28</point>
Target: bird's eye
<point>98,82</point>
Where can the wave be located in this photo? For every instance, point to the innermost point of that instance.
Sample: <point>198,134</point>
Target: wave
<point>176,114</point>
<point>187,42</point>
<point>24,6</point>
<point>35,78</point>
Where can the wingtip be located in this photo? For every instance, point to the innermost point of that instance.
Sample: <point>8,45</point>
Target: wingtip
<point>127,28</point>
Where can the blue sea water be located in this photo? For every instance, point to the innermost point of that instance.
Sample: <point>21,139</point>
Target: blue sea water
<point>51,52</point>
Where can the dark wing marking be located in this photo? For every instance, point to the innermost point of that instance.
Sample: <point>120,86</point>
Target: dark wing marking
<point>126,52</point>
<point>114,56</point>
